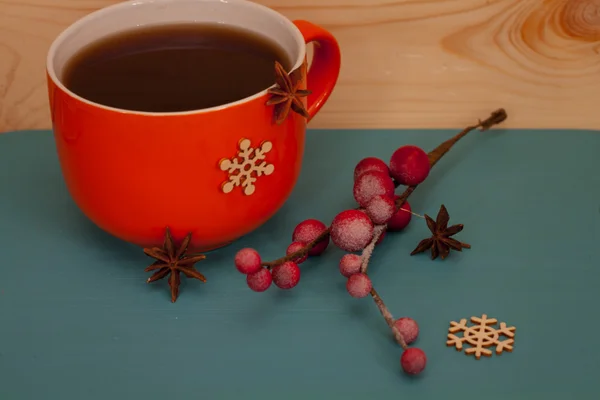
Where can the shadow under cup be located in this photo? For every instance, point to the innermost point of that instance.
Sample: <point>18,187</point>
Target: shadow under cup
<point>217,173</point>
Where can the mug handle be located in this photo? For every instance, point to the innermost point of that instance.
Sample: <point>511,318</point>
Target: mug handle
<point>325,67</point>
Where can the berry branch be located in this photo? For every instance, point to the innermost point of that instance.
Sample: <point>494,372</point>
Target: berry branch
<point>298,254</point>
<point>387,315</point>
<point>433,156</point>
<point>379,210</point>
<point>366,254</point>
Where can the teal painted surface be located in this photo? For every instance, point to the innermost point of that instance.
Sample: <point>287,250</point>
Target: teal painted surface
<point>78,321</point>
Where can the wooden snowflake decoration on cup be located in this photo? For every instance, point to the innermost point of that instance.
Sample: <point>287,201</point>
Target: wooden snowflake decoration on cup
<point>246,167</point>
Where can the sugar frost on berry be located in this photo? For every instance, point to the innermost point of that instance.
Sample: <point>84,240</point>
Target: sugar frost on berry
<point>359,285</point>
<point>351,230</point>
<point>413,361</point>
<point>380,209</point>
<point>350,264</point>
<point>408,328</point>
<point>307,231</point>
<point>409,165</point>
<point>371,184</point>
<point>294,247</point>
<point>370,164</point>
<point>259,281</point>
<point>286,275</point>
<point>247,261</point>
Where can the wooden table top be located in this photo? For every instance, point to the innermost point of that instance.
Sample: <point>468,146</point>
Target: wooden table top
<point>406,64</point>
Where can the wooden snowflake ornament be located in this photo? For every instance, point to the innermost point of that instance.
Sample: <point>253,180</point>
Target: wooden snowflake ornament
<point>481,336</point>
<point>243,169</point>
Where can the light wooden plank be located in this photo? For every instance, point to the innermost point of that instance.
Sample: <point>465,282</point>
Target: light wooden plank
<point>406,63</point>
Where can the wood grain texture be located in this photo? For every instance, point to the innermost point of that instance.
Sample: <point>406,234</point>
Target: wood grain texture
<point>406,63</point>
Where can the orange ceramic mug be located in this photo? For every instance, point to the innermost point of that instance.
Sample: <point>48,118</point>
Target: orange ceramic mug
<point>218,173</point>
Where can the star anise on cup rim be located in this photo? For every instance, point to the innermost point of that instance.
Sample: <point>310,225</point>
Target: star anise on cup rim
<point>287,94</point>
<point>172,261</point>
<point>441,242</point>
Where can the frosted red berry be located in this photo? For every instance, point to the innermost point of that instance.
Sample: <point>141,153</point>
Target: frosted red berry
<point>350,264</point>
<point>408,328</point>
<point>359,285</point>
<point>247,261</point>
<point>286,275</point>
<point>259,281</point>
<point>409,165</point>
<point>371,184</point>
<point>401,218</point>
<point>351,230</point>
<point>307,231</point>
<point>370,164</point>
<point>413,361</point>
<point>294,247</point>
<point>380,209</point>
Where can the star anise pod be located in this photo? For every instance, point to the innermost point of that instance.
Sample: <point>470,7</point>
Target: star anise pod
<point>286,95</point>
<point>171,261</point>
<point>441,243</point>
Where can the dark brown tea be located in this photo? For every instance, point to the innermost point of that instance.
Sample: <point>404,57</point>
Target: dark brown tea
<point>171,68</point>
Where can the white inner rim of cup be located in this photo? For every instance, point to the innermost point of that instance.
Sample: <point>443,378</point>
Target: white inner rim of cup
<point>137,13</point>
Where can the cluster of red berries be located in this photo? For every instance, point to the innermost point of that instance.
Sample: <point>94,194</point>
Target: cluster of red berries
<point>353,231</point>
<point>259,277</point>
<point>374,191</point>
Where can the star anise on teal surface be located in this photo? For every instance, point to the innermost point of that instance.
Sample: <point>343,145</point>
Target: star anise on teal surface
<point>172,261</point>
<point>441,242</point>
<point>287,94</point>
